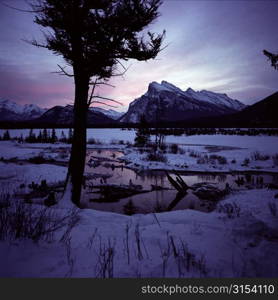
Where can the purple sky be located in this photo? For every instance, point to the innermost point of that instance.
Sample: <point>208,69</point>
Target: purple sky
<point>213,45</point>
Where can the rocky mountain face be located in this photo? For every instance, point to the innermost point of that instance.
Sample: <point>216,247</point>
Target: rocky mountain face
<point>261,114</point>
<point>63,115</point>
<point>168,103</point>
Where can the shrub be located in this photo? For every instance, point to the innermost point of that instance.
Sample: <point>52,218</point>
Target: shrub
<point>273,208</point>
<point>232,210</point>
<point>174,148</point>
<point>21,221</point>
<point>201,161</point>
<point>275,159</point>
<point>93,141</point>
<point>246,162</point>
<point>195,154</point>
<point>181,151</point>
<point>156,156</point>
<point>258,156</point>
<point>39,159</point>
<point>4,199</point>
<point>220,159</point>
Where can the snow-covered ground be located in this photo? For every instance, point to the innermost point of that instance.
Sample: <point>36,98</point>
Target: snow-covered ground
<point>238,239</point>
<point>198,158</point>
<point>175,244</point>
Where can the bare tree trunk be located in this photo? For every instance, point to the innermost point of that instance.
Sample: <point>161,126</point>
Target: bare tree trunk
<point>79,141</point>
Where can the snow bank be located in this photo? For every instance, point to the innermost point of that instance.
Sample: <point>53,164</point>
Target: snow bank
<point>215,244</point>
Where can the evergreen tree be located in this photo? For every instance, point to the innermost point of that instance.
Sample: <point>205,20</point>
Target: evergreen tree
<point>6,136</point>
<point>142,137</point>
<point>39,138</point>
<point>53,136</point>
<point>31,138</point>
<point>63,137</point>
<point>44,136</point>
<point>20,140</point>
<point>93,36</point>
<point>70,136</point>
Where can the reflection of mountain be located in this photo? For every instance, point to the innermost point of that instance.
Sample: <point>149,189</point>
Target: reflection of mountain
<point>167,103</point>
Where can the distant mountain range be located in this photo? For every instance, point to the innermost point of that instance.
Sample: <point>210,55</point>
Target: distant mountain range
<point>163,104</point>
<point>59,115</point>
<point>63,115</point>
<point>11,111</point>
<point>111,113</point>
<point>261,114</point>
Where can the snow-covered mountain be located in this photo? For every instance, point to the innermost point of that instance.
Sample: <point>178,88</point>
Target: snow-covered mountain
<point>63,115</point>
<point>11,111</point>
<point>166,102</point>
<point>113,114</point>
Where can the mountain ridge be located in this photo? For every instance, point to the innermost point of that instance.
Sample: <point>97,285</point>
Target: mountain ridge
<point>175,104</point>
<point>10,110</point>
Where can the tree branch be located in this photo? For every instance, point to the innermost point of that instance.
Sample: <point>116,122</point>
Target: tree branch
<point>273,58</point>
<point>35,43</point>
<point>109,99</point>
<point>104,104</point>
<point>63,72</point>
<point>21,10</point>
<point>92,93</point>
<point>102,83</point>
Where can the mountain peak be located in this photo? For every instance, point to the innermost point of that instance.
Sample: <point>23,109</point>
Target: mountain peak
<point>176,104</point>
<point>190,90</point>
<point>163,86</point>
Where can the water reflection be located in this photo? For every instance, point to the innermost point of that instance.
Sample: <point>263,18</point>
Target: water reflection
<point>104,168</point>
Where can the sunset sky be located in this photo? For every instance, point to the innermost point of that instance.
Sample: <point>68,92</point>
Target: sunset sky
<point>213,45</point>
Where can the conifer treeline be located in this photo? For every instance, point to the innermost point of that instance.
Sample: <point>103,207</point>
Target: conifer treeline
<point>44,136</point>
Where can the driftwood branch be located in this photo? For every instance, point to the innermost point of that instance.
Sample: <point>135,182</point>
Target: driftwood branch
<point>177,183</point>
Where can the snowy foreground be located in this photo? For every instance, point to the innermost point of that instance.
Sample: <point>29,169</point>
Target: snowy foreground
<point>238,239</point>
<point>175,244</point>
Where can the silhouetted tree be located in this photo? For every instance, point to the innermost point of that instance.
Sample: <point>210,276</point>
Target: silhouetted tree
<point>63,138</point>
<point>6,136</point>
<point>273,58</point>
<point>70,136</point>
<point>39,137</point>
<point>53,136</point>
<point>31,138</point>
<point>93,36</point>
<point>44,136</point>
<point>142,136</point>
<point>20,140</point>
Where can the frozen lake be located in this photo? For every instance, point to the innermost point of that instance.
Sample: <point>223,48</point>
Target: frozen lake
<point>107,135</point>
